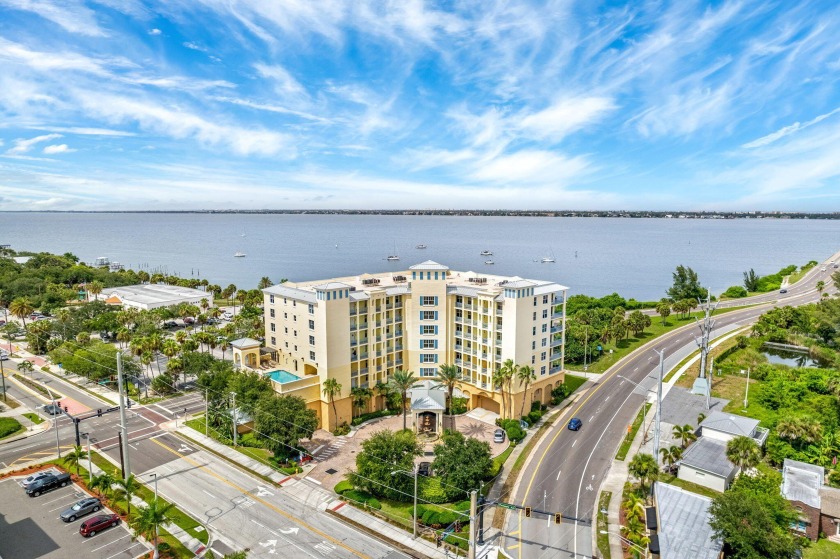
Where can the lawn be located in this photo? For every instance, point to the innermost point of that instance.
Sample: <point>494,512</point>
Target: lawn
<point>631,434</point>
<point>34,418</point>
<point>604,525</point>
<point>823,549</point>
<point>10,426</point>
<point>573,382</point>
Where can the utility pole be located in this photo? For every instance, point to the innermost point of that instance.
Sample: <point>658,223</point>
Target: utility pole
<point>3,374</point>
<point>473,518</point>
<point>701,384</point>
<point>90,461</point>
<point>747,392</point>
<point>234,419</point>
<point>206,413</point>
<point>55,421</point>
<point>123,423</point>
<point>656,429</point>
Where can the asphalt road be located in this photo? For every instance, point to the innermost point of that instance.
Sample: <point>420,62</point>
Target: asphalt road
<point>570,466</point>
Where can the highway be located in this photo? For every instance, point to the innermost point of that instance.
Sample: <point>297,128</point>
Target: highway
<point>568,467</point>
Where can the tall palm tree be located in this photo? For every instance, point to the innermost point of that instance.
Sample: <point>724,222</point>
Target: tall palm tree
<point>265,282</point>
<point>361,396</point>
<point>510,374</point>
<point>685,434</point>
<point>147,520</point>
<point>95,288</point>
<point>526,375</point>
<point>743,452</point>
<point>664,310</point>
<point>449,375</point>
<point>402,381</point>
<point>671,455</point>
<point>332,389</point>
<point>21,308</point>
<point>75,457</point>
<point>102,483</point>
<point>644,468</point>
<point>127,487</point>
<point>498,380</point>
<point>63,317</point>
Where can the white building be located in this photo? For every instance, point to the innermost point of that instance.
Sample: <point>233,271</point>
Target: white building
<point>153,296</point>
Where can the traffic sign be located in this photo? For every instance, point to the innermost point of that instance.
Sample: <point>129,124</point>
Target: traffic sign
<point>508,506</point>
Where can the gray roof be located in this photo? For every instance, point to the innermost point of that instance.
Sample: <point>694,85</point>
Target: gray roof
<point>397,290</point>
<point>292,293</point>
<point>245,343</point>
<point>708,455</point>
<point>518,282</point>
<point>428,395</point>
<point>429,265</point>
<point>730,423</point>
<point>465,290</point>
<point>684,529</point>
<point>331,285</point>
<point>830,501</point>
<point>802,482</point>
<point>156,294</point>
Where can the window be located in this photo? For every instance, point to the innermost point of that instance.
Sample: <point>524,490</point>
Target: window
<point>271,298</point>
<point>272,327</point>
<point>294,318</point>
<point>311,309</point>
<point>533,360</point>
<point>295,333</point>
<point>296,349</point>
<point>286,329</point>
<point>287,345</point>
<point>542,370</point>
<point>428,301</point>
<point>534,345</point>
<point>428,372</point>
<point>545,328</point>
<point>428,329</point>
<point>544,342</point>
<point>428,344</point>
<point>311,324</point>
<point>312,356</point>
<point>286,315</point>
<point>294,303</point>
<point>545,299</point>
<point>545,313</point>
<point>542,356</point>
<point>534,330</point>
<point>428,315</point>
<point>285,300</point>
<point>273,341</point>
<point>271,313</point>
<point>535,316</point>
<point>311,340</point>
<point>428,358</point>
<point>535,301</point>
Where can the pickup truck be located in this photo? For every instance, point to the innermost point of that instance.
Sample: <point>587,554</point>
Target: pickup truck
<point>48,483</point>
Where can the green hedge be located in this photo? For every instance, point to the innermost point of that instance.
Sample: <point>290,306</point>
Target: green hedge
<point>342,486</point>
<point>431,490</point>
<point>372,415</point>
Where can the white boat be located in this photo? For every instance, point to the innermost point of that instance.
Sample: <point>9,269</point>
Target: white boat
<point>393,257</point>
<point>548,259</point>
<point>420,246</point>
<point>102,261</point>
<point>488,262</point>
<point>238,254</point>
<point>486,253</point>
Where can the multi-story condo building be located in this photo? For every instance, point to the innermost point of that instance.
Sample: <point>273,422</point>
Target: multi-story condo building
<point>358,330</point>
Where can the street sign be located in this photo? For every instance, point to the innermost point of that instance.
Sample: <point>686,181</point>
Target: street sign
<point>508,506</point>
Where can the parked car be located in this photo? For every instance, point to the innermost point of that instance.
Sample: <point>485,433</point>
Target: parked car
<point>2,322</point>
<point>228,315</point>
<point>575,424</point>
<point>80,508</point>
<point>212,320</point>
<point>170,324</point>
<point>52,409</point>
<point>92,526</point>
<point>189,320</point>
<point>424,469</point>
<point>499,436</point>
<point>105,336</point>
<point>4,356</point>
<point>35,477</point>
<point>48,483</point>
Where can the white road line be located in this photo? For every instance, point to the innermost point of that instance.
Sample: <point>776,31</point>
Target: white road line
<point>607,399</point>
<point>126,549</point>
<point>558,474</point>
<point>109,543</point>
<point>283,538</point>
<point>591,418</point>
<point>167,410</point>
<point>211,495</point>
<point>574,442</point>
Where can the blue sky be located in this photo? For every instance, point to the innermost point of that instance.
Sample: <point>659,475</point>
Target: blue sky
<point>199,104</point>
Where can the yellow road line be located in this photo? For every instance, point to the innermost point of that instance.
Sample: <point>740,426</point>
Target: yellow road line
<point>263,501</point>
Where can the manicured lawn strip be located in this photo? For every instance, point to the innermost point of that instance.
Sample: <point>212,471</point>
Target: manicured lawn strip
<point>671,479</point>
<point>10,426</point>
<point>604,525</point>
<point>32,384</point>
<point>573,382</point>
<point>497,464</point>
<point>823,549</point>
<point>34,418</point>
<point>9,402</point>
<point>628,438</point>
<point>797,275</point>
<point>261,455</point>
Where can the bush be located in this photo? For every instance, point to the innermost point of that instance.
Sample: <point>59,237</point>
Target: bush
<point>534,416</point>
<point>431,490</point>
<point>515,432</point>
<point>374,504</point>
<point>343,486</point>
<point>735,292</point>
<point>342,429</point>
<point>8,425</point>
<point>421,510</point>
<point>372,415</point>
<point>357,496</point>
<point>459,406</point>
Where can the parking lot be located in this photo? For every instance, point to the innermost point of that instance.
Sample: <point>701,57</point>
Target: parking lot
<point>30,527</point>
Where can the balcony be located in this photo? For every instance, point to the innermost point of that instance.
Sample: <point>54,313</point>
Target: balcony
<point>354,327</point>
<point>458,347</point>
<point>398,305</point>
<point>398,318</point>
<point>398,347</point>
<point>363,371</point>
<point>379,353</point>
<point>378,338</point>
<point>556,329</point>
<point>353,312</point>
<point>556,342</point>
<point>378,323</point>
<point>553,370</point>
<point>379,367</point>
<point>354,343</point>
<point>557,314</point>
<point>398,333</point>
<point>485,341</point>
<point>389,306</point>
<point>556,353</point>
<point>399,361</point>
<point>459,305</point>
<point>459,361</point>
<point>363,355</point>
<point>363,325</point>
<point>390,321</point>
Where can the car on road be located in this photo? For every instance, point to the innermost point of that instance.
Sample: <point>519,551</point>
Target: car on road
<point>4,356</point>
<point>783,290</point>
<point>52,409</point>
<point>80,508</point>
<point>189,320</point>
<point>575,424</point>
<point>34,477</point>
<point>93,526</point>
<point>499,436</point>
<point>228,315</point>
<point>170,324</point>
<point>48,483</point>
<point>424,468</point>
<point>822,269</point>
<point>212,321</point>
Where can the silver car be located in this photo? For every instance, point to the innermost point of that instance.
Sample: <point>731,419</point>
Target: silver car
<point>81,508</point>
<point>35,477</point>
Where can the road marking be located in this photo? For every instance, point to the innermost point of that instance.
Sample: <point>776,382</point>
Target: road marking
<point>325,548</point>
<point>264,502</point>
<point>109,543</point>
<point>208,493</point>
<point>286,539</point>
<point>607,399</point>
<point>574,442</point>
<point>124,550</point>
<point>591,418</point>
<point>558,474</point>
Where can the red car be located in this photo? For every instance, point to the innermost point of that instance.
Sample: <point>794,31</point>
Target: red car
<point>91,526</point>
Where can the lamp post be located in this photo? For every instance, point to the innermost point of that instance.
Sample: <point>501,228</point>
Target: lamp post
<point>416,471</point>
<point>153,475</point>
<point>644,407</point>
<point>55,421</point>
<point>90,461</point>
<point>747,391</point>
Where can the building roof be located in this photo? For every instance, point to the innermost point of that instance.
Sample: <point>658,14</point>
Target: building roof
<point>155,294</point>
<point>245,343</point>
<point>802,482</point>
<point>830,501</point>
<point>284,290</point>
<point>428,395</point>
<point>518,282</point>
<point>729,423</point>
<point>708,455</point>
<point>428,265</point>
<point>684,529</point>
<point>331,285</point>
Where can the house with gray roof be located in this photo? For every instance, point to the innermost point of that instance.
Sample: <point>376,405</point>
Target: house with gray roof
<point>705,463</point>
<point>682,527</point>
<point>726,426</point>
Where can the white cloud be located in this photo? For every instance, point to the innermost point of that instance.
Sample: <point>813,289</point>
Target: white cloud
<point>194,46</point>
<point>155,31</point>
<point>82,131</point>
<point>787,130</point>
<point>565,116</point>
<point>683,114</point>
<point>57,148</point>
<point>285,84</point>
<point>23,146</point>
<point>71,15</point>
<point>531,166</point>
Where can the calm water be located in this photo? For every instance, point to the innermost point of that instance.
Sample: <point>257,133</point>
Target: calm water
<point>790,358</point>
<point>634,257</point>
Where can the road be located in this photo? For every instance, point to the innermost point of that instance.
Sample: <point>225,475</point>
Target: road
<point>568,467</point>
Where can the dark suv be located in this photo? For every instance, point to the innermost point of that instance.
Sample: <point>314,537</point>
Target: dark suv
<point>48,483</point>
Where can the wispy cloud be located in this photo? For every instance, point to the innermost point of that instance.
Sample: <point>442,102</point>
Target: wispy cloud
<point>22,145</point>
<point>71,15</point>
<point>787,131</point>
<point>57,148</point>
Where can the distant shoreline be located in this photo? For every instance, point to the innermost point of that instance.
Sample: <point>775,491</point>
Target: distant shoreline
<point>637,214</point>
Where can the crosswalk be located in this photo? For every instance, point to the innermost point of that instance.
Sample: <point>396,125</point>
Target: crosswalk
<point>331,450</point>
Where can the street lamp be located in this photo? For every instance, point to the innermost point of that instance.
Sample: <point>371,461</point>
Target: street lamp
<point>416,471</point>
<point>153,475</point>
<point>644,407</point>
<point>625,540</point>
<point>55,421</point>
<point>90,462</point>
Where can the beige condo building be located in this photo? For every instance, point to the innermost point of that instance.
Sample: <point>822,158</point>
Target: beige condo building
<point>360,329</point>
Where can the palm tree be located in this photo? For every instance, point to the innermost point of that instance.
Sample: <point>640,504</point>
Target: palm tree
<point>502,379</point>
<point>700,417</point>
<point>634,505</point>
<point>402,381</point>
<point>102,483</point>
<point>127,488</point>
<point>332,389</point>
<point>664,310</point>
<point>21,308</point>
<point>75,457</point>
<point>265,282</point>
<point>449,375</point>
<point>95,287</point>
<point>644,468</point>
<point>820,286</point>
<point>526,375</point>
<point>743,452</point>
<point>671,455</point>
<point>25,366</point>
<point>791,428</point>
<point>146,520</point>
<point>685,434</point>
<point>360,396</point>
<point>635,533</point>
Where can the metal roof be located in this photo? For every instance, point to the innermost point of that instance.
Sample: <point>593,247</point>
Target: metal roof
<point>428,265</point>
<point>708,455</point>
<point>730,423</point>
<point>802,482</point>
<point>517,283</point>
<point>684,529</point>
<point>292,293</point>
<point>244,343</point>
<point>156,294</point>
<point>331,285</point>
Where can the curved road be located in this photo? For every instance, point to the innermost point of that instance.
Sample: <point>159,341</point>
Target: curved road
<point>568,467</point>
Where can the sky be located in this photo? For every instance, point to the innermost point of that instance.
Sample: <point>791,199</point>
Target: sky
<point>295,104</point>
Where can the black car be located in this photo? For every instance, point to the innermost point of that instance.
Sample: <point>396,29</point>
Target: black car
<point>170,324</point>
<point>424,469</point>
<point>81,508</point>
<point>52,409</point>
<point>48,483</point>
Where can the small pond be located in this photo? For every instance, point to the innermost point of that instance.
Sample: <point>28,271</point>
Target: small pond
<point>778,356</point>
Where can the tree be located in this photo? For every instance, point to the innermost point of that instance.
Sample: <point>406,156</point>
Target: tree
<point>102,483</point>
<point>526,375</point>
<point>21,308</point>
<point>644,468</point>
<point>634,504</point>
<point>700,417</point>
<point>685,433</point>
<point>281,421</point>
<point>95,288</point>
<point>753,519</point>
<point>147,520</point>
<point>820,286</point>
<point>378,463</point>
<point>671,456</point>
<point>461,463</point>
<point>751,281</point>
<point>332,389</point>
<point>265,282</point>
<point>75,457</point>
<point>402,381</point>
<point>449,375</point>
<point>743,452</point>
<point>663,308</point>
<point>360,396</point>
<point>835,279</point>
<point>127,487</point>
<point>686,285</point>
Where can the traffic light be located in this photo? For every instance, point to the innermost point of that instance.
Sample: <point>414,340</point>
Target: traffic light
<point>99,412</point>
<point>558,518</point>
<point>437,540</point>
<point>65,409</point>
<point>527,512</point>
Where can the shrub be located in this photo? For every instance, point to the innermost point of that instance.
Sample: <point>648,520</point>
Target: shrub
<point>374,504</point>
<point>372,415</point>
<point>358,496</point>
<point>735,292</point>
<point>534,416</point>
<point>515,432</point>
<point>8,425</point>
<point>463,505</point>
<point>536,405</point>
<point>459,406</point>
<point>342,429</point>
<point>431,490</point>
<point>421,510</point>
<point>342,486</point>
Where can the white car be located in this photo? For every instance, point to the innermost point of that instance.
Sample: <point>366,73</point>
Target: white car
<point>228,315</point>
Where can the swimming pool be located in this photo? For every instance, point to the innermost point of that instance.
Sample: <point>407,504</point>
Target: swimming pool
<point>282,376</point>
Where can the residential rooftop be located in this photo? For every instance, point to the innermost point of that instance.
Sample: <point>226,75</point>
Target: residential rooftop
<point>683,528</point>
<point>708,455</point>
<point>730,423</point>
<point>155,294</point>
<point>802,482</point>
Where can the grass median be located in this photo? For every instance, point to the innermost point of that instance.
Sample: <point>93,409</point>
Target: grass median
<point>631,433</point>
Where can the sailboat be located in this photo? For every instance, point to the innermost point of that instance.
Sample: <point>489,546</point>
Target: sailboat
<point>238,254</point>
<point>548,259</point>
<point>420,246</point>
<point>393,257</point>
<point>486,253</point>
